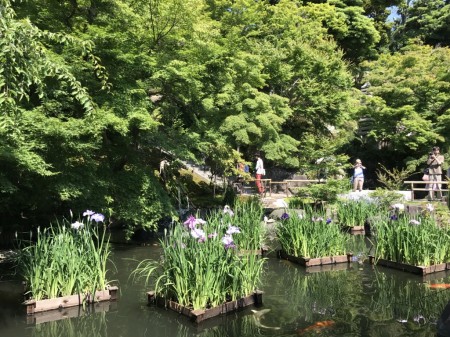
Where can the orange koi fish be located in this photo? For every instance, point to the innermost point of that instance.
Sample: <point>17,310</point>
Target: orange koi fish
<point>439,286</point>
<point>316,327</point>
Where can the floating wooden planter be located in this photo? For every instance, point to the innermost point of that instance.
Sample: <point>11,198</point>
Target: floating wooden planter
<point>33,306</point>
<point>356,230</point>
<point>309,262</point>
<point>419,270</point>
<point>200,315</point>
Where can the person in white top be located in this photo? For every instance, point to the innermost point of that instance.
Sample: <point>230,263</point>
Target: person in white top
<point>259,173</point>
<point>358,175</point>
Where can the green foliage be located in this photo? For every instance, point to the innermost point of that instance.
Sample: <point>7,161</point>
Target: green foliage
<point>424,20</point>
<point>248,215</point>
<point>385,198</point>
<point>393,179</point>
<point>327,191</point>
<point>352,213</point>
<point>408,102</point>
<point>310,235</point>
<point>419,242</point>
<point>94,94</point>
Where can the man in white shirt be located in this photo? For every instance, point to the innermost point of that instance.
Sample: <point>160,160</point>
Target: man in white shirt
<point>259,173</point>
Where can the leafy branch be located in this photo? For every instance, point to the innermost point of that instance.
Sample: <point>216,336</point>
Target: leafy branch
<point>393,179</point>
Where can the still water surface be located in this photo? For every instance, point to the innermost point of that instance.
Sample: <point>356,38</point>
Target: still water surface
<point>353,300</point>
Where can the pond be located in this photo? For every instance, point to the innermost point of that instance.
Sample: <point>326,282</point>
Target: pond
<point>354,299</point>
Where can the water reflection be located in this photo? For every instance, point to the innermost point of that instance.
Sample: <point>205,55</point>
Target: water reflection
<point>359,300</point>
<point>94,324</point>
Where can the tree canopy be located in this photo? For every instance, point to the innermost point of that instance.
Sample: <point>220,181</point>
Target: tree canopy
<point>94,94</point>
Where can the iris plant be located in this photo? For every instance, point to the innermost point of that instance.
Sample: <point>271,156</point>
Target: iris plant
<point>206,271</point>
<point>76,258</point>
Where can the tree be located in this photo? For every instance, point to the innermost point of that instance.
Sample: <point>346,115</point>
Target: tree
<point>424,20</point>
<point>408,102</point>
<point>60,150</point>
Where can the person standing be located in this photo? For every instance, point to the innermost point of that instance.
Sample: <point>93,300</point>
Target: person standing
<point>358,175</point>
<point>260,171</point>
<point>434,162</point>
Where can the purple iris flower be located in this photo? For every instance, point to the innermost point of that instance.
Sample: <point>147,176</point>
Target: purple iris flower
<point>199,234</point>
<point>414,222</point>
<point>190,222</point>
<point>77,225</point>
<point>97,217</point>
<point>228,210</point>
<point>233,229</point>
<point>227,241</point>
<point>329,220</point>
<point>394,217</point>
<point>88,213</point>
<point>284,216</point>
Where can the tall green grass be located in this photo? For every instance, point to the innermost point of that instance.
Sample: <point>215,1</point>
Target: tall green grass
<point>352,213</point>
<point>310,236</point>
<point>419,241</point>
<point>66,258</point>
<point>201,266</point>
<point>248,215</point>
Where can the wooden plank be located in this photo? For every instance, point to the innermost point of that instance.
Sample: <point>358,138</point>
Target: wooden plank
<point>309,262</point>
<point>33,306</point>
<point>75,311</point>
<point>419,270</point>
<point>200,315</point>
<point>58,303</point>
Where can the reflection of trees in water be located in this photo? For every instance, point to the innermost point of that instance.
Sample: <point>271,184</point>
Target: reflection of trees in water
<point>312,297</point>
<point>87,324</point>
<point>243,325</point>
<point>358,299</point>
<point>405,300</point>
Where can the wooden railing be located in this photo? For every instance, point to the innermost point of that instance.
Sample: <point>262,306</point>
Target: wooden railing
<point>414,184</point>
<point>288,183</point>
<point>268,184</point>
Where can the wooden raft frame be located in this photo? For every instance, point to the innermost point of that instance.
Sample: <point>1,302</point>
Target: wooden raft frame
<point>199,315</point>
<point>309,262</point>
<point>419,270</point>
<point>33,306</point>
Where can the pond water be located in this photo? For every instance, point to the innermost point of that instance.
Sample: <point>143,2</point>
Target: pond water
<point>353,299</point>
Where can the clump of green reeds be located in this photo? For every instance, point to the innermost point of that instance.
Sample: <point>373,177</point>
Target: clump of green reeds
<point>416,241</point>
<point>201,266</point>
<point>248,214</point>
<point>352,213</point>
<point>310,235</point>
<point>66,258</point>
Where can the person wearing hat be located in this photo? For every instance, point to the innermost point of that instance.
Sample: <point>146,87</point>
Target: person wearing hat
<point>358,175</point>
<point>434,162</point>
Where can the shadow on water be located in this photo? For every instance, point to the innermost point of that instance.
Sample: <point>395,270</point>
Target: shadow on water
<point>353,299</point>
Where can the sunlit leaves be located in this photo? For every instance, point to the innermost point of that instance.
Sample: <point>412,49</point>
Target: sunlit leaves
<point>410,98</point>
